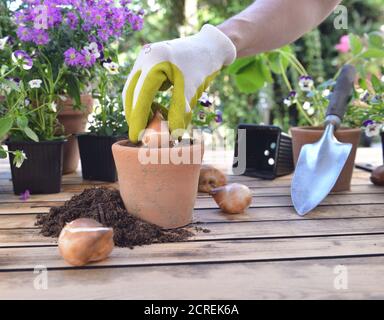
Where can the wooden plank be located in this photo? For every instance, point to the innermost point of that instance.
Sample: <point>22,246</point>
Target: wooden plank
<point>27,220</point>
<point>310,279</point>
<point>208,202</point>
<point>224,231</point>
<point>24,259</point>
<point>257,190</point>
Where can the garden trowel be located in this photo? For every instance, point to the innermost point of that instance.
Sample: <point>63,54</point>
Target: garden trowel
<point>320,164</point>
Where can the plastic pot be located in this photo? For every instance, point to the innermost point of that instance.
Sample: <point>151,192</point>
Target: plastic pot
<point>305,135</point>
<point>97,161</point>
<point>74,122</point>
<point>382,142</point>
<point>41,172</point>
<point>157,185</point>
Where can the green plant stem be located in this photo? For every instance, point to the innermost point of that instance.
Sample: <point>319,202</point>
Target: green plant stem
<point>287,83</point>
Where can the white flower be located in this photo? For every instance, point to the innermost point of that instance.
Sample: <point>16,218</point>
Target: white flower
<point>7,89</point>
<point>287,102</point>
<point>35,83</point>
<point>3,42</point>
<point>373,129</point>
<point>306,105</point>
<point>54,106</point>
<point>306,83</point>
<point>382,79</point>
<point>326,93</point>
<point>93,48</point>
<point>311,111</point>
<point>364,95</point>
<point>112,67</point>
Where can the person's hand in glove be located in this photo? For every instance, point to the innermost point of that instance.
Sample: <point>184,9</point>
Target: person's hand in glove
<point>189,64</point>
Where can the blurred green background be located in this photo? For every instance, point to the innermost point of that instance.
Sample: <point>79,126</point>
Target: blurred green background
<point>167,19</point>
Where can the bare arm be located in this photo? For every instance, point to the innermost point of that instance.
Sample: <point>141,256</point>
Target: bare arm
<point>270,24</point>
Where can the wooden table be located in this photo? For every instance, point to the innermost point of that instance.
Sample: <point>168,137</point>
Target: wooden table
<point>337,251</point>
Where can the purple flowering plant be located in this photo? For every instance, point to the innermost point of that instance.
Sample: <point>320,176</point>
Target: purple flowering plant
<point>53,49</point>
<point>367,109</point>
<point>74,37</point>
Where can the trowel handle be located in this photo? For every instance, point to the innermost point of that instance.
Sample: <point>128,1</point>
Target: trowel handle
<point>341,94</point>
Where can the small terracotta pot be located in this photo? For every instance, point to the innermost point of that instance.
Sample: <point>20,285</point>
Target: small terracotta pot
<point>164,193</point>
<point>305,135</point>
<point>74,122</point>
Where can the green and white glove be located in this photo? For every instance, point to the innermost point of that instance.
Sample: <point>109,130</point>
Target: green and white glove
<point>189,64</point>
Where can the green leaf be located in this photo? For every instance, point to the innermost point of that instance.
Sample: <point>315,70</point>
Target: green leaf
<point>373,53</point>
<point>22,122</point>
<point>251,78</point>
<point>3,153</point>
<point>236,66</point>
<point>73,88</point>
<point>355,43</point>
<point>375,39</point>
<point>376,83</point>
<point>363,84</point>
<point>31,134</point>
<point>266,72</point>
<point>5,125</point>
<point>275,60</point>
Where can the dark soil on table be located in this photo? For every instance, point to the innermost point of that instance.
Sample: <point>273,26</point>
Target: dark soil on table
<point>106,206</point>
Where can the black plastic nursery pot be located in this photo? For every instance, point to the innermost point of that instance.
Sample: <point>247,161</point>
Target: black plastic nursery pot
<point>97,161</point>
<point>41,172</point>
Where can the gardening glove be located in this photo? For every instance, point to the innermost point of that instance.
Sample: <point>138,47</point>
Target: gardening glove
<point>189,64</point>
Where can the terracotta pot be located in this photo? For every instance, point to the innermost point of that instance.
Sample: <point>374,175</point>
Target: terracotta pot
<point>305,135</point>
<point>162,194</point>
<point>74,122</point>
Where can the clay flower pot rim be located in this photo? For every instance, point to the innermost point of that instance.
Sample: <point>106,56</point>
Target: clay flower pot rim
<point>99,135</point>
<point>321,128</point>
<point>123,144</point>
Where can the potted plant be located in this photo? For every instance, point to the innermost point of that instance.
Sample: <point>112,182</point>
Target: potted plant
<point>75,36</point>
<point>29,121</point>
<point>367,109</point>
<point>311,101</point>
<point>158,181</point>
<point>107,127</point>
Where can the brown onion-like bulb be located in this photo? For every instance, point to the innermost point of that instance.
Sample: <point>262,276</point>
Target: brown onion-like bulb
<point>377,176</point>
<point>232,198</point>
<point>211,178</point>
<point>85,240</point>
<point>156,135</point>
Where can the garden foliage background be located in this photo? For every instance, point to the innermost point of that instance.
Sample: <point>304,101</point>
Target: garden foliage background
<point>167,19</point>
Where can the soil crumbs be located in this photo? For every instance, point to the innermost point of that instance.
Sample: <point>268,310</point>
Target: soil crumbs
<point>106,206</point>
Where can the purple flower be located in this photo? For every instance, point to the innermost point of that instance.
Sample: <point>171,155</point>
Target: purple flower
<point>24,34</point>
<point>22,58</point>
<point>25,195</point>
<point>204,100</point>
<point>219,116</point>
<point>72,57</point>
<point>306,83</point>
<point>87,59</point>
<point>368,122</point>
<point>291,99</point>
<point>40,37</point>
<point>72,20</point>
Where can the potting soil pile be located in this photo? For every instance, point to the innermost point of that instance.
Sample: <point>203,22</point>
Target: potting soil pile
<point>106,206</point>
